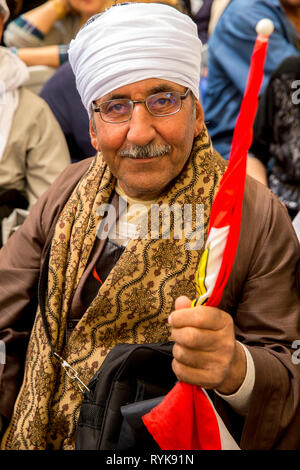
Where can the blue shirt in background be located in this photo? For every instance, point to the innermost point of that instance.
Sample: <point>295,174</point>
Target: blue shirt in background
<point>61,94</point>
<point>230,49</point>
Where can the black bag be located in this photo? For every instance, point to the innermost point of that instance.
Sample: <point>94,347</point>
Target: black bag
<point>131,381</point>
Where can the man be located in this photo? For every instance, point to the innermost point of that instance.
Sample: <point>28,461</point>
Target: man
<point>230,49</point>
<point>140,86</point>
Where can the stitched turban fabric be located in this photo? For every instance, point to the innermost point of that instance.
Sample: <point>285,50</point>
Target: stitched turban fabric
<point>133,42</point>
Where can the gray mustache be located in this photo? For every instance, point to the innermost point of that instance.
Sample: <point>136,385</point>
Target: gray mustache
<point>145,151</point>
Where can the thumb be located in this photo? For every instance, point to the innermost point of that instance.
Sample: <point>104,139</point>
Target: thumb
<point>182,302</point>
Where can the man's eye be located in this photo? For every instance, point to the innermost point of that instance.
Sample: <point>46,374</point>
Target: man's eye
<point>117,107</point>
<point>163,101</point>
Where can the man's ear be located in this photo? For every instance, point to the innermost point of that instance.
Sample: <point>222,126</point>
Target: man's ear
<point>93,134</point>
<point>199,121</point>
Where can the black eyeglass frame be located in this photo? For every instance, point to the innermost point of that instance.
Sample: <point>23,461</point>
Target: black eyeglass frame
<point>97,109</point>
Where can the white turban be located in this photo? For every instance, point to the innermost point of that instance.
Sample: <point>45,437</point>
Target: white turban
<point>133,42</point>
<point>4,10</point>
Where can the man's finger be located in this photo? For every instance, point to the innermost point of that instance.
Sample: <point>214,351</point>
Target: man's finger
<point>206,378</point>
<point>182,302</point>
<point>194,338</point>
<point>192,357</point>
<point>210,318</point>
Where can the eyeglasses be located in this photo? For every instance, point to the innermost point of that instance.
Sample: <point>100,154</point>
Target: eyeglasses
<point>159,104</point>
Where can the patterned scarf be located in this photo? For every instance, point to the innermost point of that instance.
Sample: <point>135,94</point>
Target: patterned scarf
<point>131,306</point>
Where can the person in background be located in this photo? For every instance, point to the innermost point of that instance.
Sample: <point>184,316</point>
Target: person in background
<point>202,19</point>
<point>217,8</point>
<point>61,94</point>
<point>17,7</point>
<point>41,36</point>
<point>207,16</point>
<point>33,150</point>
<point>276,136</point>
<point>230,49</point>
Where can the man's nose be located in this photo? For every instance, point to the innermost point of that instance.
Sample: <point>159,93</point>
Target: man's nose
<point>141,126</point>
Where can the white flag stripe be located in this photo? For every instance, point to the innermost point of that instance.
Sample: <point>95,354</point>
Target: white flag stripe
<point>215,243</point>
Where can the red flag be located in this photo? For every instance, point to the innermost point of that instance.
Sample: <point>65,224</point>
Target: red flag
<point>186,419</point>
<point>227,207</point>
<point>192,406</point>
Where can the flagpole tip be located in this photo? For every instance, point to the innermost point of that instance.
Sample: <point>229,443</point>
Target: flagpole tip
<point>265,27</point>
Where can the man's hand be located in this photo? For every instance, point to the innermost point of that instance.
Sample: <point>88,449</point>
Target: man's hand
<point>205,351</point>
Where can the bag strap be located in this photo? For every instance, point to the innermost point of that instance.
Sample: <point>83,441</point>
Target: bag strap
<point>42,288</point>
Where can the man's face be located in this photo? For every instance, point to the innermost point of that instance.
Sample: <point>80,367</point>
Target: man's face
<point>146,178</point>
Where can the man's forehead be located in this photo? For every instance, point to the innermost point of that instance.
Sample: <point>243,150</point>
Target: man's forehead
<point>144,87</point>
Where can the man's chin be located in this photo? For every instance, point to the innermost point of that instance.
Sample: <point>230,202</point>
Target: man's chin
<point>141,191</point>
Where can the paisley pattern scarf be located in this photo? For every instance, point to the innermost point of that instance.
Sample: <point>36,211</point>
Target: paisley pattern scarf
<point>131,306</point>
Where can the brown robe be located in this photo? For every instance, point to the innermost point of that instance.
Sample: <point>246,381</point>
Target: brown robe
<point>262,296</point>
